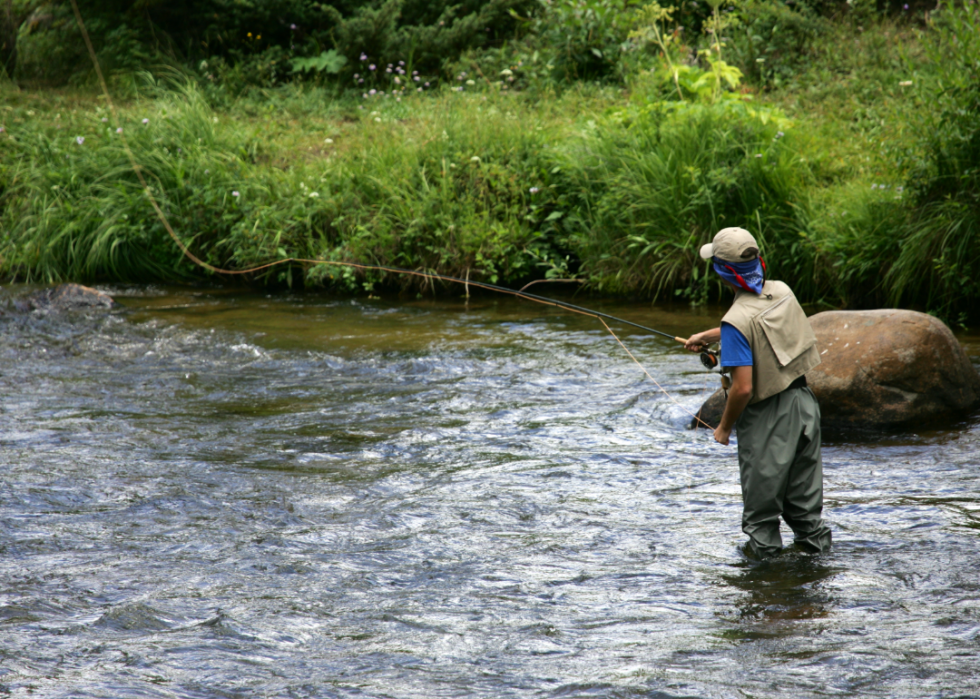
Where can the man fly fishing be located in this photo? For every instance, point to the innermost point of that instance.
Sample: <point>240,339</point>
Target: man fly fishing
<point>767,346</point>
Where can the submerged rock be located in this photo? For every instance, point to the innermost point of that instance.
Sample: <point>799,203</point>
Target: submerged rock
<point>66,297</point>
<point>883,368</point>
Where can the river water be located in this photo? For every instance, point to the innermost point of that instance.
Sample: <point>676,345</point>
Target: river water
<point>221,494</point>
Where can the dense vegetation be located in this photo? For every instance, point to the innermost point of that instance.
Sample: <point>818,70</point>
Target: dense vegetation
<point>502,141</point>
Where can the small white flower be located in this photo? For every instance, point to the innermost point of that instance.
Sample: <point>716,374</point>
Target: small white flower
<point>314,195</point>
<point>235,193</point>
<point>104,120</point>
<point>119,130</point>
<point>80,140</point>
<point>378,119</point>
<point>146,121</point>
<point>475,159</point>
<point>470,82</point>
<point>328,140</point>
<point>534,190</point>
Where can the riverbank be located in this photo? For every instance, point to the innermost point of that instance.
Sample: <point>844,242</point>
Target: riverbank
<point>613,186</point>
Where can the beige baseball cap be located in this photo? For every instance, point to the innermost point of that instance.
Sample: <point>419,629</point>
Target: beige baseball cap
<point>731,245</point>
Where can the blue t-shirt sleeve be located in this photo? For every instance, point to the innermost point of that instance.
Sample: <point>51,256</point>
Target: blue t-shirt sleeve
<point>735,350</point>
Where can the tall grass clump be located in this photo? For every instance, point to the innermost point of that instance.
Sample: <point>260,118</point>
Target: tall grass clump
<point>940,250</point>
<point>647,191</point>
<point>453,196</point>
<point>72,205</point>
<point>447,190</point>
<point>911,237</point>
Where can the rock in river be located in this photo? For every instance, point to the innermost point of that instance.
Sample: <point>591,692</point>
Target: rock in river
<point>883,368</point>
<point>65,297</point>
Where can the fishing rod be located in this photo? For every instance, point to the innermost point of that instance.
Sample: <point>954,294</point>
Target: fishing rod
<point>708,358</point>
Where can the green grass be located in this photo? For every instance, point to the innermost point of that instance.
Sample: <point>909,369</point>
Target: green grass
<point>601,182</point>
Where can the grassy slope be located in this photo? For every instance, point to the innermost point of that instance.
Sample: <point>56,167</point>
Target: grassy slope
<point>853,126</point>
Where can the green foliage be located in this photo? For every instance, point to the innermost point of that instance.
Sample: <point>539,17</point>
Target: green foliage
<point>646,190</point>
<point>327,62</point>
<point>457,203</point>
<point>252,42</point>
<point>772,39</point>
<point>941,250</point>
<point>868,196</point>
<point>587,37</point>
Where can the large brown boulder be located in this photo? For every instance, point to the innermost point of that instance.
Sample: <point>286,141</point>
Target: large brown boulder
<point>883,368</point>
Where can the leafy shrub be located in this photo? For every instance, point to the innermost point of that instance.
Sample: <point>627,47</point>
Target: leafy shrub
<point>771,39</point>
<point>586,37</point>
<point>253,40</point>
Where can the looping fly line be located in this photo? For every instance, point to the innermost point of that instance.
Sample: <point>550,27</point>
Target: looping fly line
<point>394,270</point>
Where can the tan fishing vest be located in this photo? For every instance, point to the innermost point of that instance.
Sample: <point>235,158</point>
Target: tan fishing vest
<point>783,345</point>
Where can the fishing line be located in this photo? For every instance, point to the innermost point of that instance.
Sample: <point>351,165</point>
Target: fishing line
<point>601,317</point>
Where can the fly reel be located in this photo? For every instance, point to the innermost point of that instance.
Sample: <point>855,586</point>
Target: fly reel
<point>709,358</point>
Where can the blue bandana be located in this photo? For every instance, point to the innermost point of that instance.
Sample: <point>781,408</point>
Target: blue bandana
<point>751,273</point>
